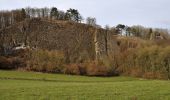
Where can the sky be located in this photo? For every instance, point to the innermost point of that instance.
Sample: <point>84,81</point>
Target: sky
<point>148,13</point>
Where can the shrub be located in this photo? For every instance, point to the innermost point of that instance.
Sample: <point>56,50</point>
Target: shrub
<point>111,64</point>
<point>97,69</point>
<point>11,62</point>
<point>5,63</point>
<point>164,59</point>
<point>137,72</point>
<point>72,69</point>
<point>45,61</point>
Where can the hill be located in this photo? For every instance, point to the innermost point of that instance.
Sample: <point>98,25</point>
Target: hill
<point>58,46</point>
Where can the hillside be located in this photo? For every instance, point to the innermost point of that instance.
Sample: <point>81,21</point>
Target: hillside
<point>68,47</point>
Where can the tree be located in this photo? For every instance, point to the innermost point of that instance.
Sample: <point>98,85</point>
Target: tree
<point>38,12</point>
<point>61,15</point>
<point>123,29</point>
<point>28,12</point>
<point>46,12</point>
<point>91,21</point>
<point>120,28</point>
<point>150,33</point>
<point>67,16</point>
<point>127,31</point>
<point>23,13</point>
<point>54,13</point>
<point>140,31</point>
<point>74,15</point>
<point>107,27</point>
<point>42,12</point>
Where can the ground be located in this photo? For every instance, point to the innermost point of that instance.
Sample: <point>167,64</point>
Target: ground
<point>15,85</point>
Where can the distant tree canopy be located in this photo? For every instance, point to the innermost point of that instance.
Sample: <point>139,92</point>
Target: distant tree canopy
<point>23,13</point>
<point>8,18</point>
<point>123,29</point>
<point>142,32</point>
<point>74,15</point>
<point>54,13</point>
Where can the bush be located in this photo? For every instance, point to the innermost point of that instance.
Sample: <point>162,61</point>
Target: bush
<point>45,61</point>
<point>148,62</point>
<point>5,63</point>
<point>97,69</point>
<point>154,75</point>
<point>164,59</point>
<point>72,69</point>
<point>90,68</point>
<point>11,62</point>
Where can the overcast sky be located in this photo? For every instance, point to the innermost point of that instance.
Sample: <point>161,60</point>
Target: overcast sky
<point>149,13</point>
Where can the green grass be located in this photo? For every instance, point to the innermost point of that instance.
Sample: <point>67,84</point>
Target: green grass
<point>16,85</point>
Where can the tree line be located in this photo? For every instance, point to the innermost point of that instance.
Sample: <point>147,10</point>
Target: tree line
<point>140,31</point>
<point>146,33</point>
<point>8,18</point>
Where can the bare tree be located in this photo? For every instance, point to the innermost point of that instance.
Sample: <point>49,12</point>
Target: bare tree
<point>91,21</point>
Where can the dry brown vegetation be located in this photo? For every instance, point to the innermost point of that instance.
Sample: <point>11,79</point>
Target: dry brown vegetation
<point>147,60</point>
<point>134,59</point>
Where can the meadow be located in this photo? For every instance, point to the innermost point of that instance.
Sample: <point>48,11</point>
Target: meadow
<point>17,85</point>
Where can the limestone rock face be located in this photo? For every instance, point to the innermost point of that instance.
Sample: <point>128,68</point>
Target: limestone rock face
<point>71,38</point>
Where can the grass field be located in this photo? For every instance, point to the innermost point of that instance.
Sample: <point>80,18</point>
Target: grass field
<point>16,85</point>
